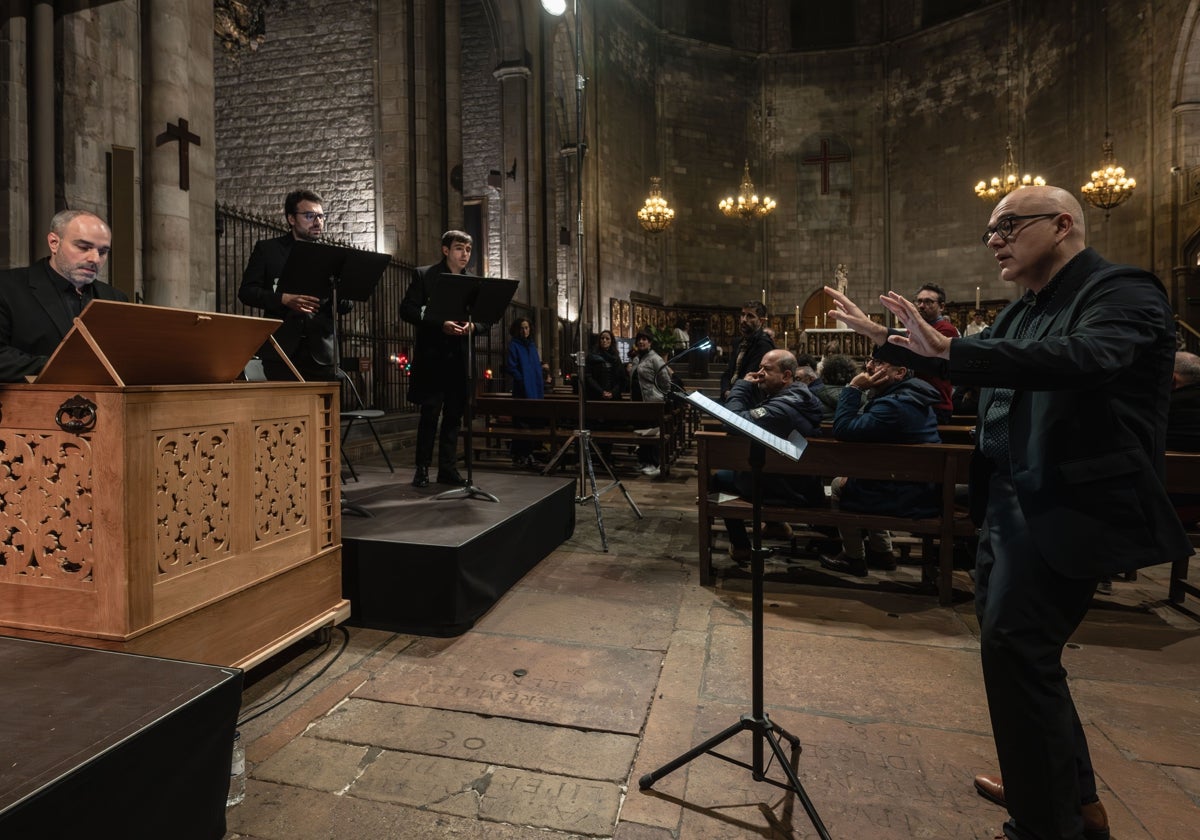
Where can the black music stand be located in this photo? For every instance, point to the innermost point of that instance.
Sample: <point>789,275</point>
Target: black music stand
<point>470,299</point>
<point>329,272</point>
<point>757,721</point>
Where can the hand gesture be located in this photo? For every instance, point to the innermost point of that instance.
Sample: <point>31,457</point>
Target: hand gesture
<point>300,303</point>
<point>922,338</point>
<point>848,313</point>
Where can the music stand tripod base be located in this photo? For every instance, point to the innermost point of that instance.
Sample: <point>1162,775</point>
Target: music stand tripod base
<point>757,721</point>
<point>468,492</point>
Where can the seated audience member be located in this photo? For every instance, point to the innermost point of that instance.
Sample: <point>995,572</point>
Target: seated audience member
<point>900,410</point>
<point>650,381</point>
<point>807,371</point>
<point>38,304</point>
<point>836,373</point>
<point>604,378</point>
<point>772,398</point>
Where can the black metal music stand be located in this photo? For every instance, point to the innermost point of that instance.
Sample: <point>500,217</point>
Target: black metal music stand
<point>470,299</point>
<point>327,272</point>
<point>757,722</point>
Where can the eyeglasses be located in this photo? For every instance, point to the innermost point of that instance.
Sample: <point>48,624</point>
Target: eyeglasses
<point>1007,226</point>
<point>927,301</point>
<point>312,217</point>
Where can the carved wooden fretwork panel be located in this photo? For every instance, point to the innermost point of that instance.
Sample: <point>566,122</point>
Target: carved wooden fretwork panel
<point>46,509</point>
<point>281,478</point>
<point>192,501</point>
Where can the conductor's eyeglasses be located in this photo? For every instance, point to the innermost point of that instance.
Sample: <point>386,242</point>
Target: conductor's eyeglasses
<point>312,217</point>
<point>1007,226</point>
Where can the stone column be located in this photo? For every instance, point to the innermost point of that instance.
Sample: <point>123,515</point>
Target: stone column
<point>514,118</point>
<point>167,247</point>
<point>42,149</point>
<point>14,142</point>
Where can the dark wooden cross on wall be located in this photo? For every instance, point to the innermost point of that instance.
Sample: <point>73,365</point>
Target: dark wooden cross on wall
<point>186,138</point>
<point>823,160</point>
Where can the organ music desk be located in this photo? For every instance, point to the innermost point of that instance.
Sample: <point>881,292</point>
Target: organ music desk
<point>150,503</point>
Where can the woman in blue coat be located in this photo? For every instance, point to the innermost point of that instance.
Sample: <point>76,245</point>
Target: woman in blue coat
<point>524,367</point>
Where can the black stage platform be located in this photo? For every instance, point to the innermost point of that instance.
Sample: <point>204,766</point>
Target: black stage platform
<point>97,743</point>
<point>433,566</point>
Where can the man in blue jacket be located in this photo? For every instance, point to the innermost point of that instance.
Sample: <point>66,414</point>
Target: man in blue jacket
<point>1066,482</point>
<point>900,410</point>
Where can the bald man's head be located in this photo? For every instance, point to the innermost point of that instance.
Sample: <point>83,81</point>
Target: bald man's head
<point>1033,232</point>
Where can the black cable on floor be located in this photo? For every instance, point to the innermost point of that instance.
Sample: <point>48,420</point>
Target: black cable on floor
<point>267,705</point>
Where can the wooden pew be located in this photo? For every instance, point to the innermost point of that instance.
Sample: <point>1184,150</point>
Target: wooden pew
<point>610,421</point>
<point>942,463</point>
<point>1183,476</point>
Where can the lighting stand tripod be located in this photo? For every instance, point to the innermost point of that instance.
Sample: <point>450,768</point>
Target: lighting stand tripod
<point>585,446</point>
<point>757,721</point>
<point>582,436</point>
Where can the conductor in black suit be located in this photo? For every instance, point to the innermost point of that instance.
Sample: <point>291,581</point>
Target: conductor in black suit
<point>438,381</point>
<point>306,334</point>
<point>39,302</point>
<point>1066,482</point>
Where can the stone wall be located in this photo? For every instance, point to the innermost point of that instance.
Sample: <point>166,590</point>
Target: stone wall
<point>299,112</point>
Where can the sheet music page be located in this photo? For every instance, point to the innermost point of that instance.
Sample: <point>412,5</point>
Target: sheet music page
<point>793,447</point>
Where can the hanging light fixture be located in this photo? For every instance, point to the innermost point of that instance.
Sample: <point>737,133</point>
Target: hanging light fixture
<point>655,216</point>
<point>1008,180</point>
<point>747,206</point>
<point>1109,186</point>
<point>1010,177</point>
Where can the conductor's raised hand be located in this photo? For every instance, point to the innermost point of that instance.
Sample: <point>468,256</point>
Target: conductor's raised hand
<point>922,338</point>
<point>847,312</point>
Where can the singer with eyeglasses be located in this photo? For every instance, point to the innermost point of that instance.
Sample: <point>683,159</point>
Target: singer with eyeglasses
<point>306,334</point>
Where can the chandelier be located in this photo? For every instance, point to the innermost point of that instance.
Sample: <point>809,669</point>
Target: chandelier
<point>1008,180</point>
<point>655,216</point>
<point>747,206</point>
<point>1109,187</point>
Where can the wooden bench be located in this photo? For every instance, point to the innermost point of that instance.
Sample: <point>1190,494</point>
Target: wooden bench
<point>941,463</point>
<point>609,421</point>
<point>1183,476</point>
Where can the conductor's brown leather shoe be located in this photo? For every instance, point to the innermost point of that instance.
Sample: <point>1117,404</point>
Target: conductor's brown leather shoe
<point>1095,818</point>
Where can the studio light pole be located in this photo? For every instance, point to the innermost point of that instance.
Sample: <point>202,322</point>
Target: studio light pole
<point>582,436</point>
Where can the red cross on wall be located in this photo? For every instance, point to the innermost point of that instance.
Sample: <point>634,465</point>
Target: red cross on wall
<point>823,160</point>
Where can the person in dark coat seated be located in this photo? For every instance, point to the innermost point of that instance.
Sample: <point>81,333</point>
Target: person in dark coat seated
<point>772,398</point>
<point>900,410</point>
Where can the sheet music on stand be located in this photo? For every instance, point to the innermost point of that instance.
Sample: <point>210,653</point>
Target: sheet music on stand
<point>791,447</point>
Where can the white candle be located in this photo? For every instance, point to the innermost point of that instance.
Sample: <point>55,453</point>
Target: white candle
<point>797,317</point>
<point>977,297</point>
<point>764,297</point>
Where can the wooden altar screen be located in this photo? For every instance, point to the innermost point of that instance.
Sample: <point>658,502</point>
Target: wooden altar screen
<point>160,507</point>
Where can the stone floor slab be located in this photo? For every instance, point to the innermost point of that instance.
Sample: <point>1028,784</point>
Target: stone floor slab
<point>1161,727</point>
<point>581,619</point>
<point>550,749</point>
<point>600,688</point>
<point>320,765</point>
<point>445,785</point>
<point>854,679</point>
<point>558,803</point>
